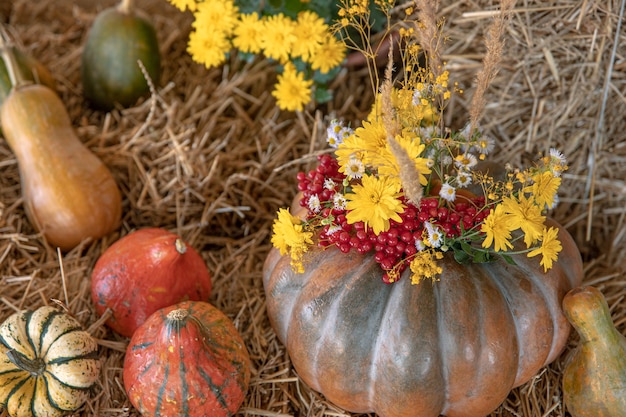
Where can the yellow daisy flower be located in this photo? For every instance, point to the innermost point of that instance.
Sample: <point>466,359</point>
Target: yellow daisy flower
<point>497,230</point>
<point>290,236</point>
<point>374,202</point>
<point>544,188</point>
<point>550,248</point>
<point>183,5</point>
<point>292,91</point>
<point>278,37</point>
<point>525,215</point>
<point>247,33</point>
<point>309,33</point>
<point>216,16</point>
<point>208,47</point>
<point>329,53</point>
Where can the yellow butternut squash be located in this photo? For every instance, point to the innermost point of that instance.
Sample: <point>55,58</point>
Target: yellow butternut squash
<point>594,379</point>
<point>69,194</point>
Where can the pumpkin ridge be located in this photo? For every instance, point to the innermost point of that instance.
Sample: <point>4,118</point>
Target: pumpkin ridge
<point>182,371</point>
<point>16,388</point>
<point>49,374</point>
<point>441,344</point>
<point>46,326</point>
<point>363,265</point>
<point>66,359</point>
<point>215,389</point>
<point>377,345</point>
<point>27,318</point>
<point>157,408</point>
<point>554,308</point>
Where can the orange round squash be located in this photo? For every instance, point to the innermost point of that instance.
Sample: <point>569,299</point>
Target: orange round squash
<point>144,271</point>
<point>187,360</point>
<point>454,347</point>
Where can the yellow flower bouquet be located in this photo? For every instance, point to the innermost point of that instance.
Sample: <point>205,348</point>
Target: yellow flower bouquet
<point>409,189</point>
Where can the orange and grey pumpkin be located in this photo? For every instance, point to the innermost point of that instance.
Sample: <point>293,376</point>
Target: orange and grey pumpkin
<point>47,365</point>
<point>187,360</point>
<point>454,347</point>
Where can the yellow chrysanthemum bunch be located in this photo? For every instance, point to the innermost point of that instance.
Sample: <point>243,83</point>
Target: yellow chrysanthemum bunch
<point>219,27</point>
<point>409,189</point>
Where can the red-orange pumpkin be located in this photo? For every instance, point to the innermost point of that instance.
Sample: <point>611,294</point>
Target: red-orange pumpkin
<point>454,347</point>
<point>144,271</point>
<point>187,360</point>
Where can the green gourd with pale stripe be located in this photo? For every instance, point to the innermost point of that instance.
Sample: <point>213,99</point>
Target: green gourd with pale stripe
<point>118,39</point>
<point>48,363</point>
<point>594,379</point>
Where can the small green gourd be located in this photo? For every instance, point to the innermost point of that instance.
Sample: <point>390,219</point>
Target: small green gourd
<point>118,39</point>
<point>594,379</point>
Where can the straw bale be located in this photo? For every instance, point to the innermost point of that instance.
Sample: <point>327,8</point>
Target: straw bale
<point>211,158</point>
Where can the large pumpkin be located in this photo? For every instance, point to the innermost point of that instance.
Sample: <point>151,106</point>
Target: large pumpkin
<point>454,347</point>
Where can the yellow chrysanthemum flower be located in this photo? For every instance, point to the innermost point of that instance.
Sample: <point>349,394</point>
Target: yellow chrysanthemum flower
<point>217,16</point>
<point>292,91</point>
<point>374,202</point>
<point>544,188</point>
<point>550,248</point>
<point>290,236</point>
<point>497,230</point>
<point>183,5</point>
<point>278,37</point>
<point>329,54</point>
<point>525,215</point>
<point>364,144</point>
<point>413,147</point>
<point>309,33</point>
<point>208,47</point>
<point>247,33</point>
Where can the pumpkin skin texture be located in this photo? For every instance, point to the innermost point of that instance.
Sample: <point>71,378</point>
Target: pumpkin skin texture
<point>454,347</point>
<point>594,378</point>
<point>187,360</point>
<point>69,193</point>
<point>110,73</point>
<point>144,271</point>
<point>47,365</point>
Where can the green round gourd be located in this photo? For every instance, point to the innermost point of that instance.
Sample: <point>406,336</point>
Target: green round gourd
<point>454,347</point>
<point>47,364</point>
<point>594,378</point>
<point>110,71</point>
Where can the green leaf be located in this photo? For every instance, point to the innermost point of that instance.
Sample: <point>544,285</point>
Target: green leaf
<point>509,260</point>
<point>322,94</point>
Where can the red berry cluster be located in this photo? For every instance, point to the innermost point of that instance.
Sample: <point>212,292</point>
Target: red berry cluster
<point>393,248</point>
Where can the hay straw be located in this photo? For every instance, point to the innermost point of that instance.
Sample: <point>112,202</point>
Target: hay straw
<point>211,158</point>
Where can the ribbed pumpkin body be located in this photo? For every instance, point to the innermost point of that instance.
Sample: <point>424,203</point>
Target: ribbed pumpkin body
<point>48,363</point>
<point>187,360</point>
<point>144,271</point>
<point>69,193</point>
<point>454,347</point>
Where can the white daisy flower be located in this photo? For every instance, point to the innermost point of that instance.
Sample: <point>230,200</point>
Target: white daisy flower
<point>314,204</point>
<point>447,192</point>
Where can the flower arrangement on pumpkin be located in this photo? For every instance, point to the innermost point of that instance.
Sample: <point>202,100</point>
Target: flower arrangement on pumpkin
<point>296,34</point>
<point>409,189</point>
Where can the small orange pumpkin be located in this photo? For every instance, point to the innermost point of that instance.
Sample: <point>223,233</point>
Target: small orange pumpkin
<point>187,360</point>
<point>144,271</point>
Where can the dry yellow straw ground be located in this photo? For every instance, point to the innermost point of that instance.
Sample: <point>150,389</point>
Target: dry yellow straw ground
<point>211,158</point>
